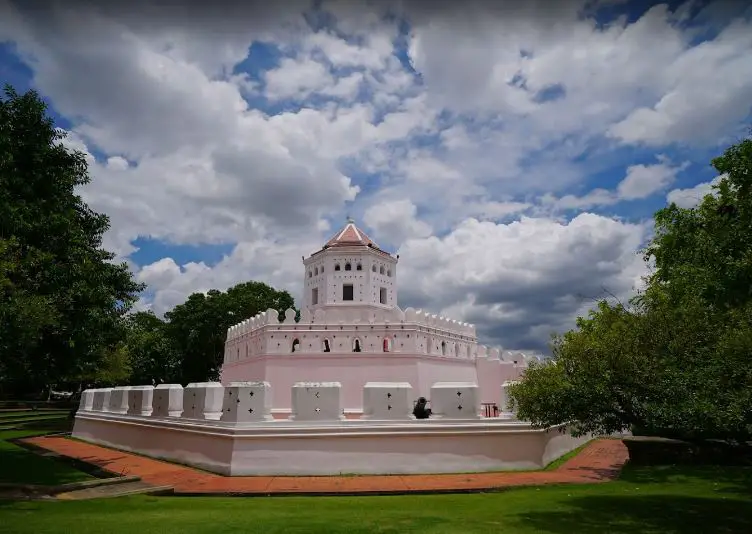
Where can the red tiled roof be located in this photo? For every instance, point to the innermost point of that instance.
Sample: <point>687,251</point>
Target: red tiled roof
<point>352,236</point>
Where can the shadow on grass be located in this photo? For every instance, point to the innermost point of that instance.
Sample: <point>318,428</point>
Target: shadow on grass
<point>665,514</point>
<point>725,479</point>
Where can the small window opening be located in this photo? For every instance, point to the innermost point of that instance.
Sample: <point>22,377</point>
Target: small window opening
<point>356,346</point>
<point>359,267</point>
<point>348,267</point>
<point>381,270</point>
<point>315,296</point>
<point>347,292</point>
<point>382,295</point>
<point>336,266</point>
<point>295,345</point>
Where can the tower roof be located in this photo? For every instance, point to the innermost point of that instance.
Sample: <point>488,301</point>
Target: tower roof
<point>352,236</point>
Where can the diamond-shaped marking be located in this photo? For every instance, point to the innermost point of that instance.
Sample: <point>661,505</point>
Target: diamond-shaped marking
<point>317,410</point>
<point>388,395</point>
<point>250,410</point>
<point>459,407</point>
<point>459,393</point>
<point>230,393</point>
<point>237,401</point>
<point>389,407</point>
<point>317,395</point>
<point>251,393</point>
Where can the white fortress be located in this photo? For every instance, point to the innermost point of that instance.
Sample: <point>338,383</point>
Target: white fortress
<point>334,393</point>
<point>351,331</point>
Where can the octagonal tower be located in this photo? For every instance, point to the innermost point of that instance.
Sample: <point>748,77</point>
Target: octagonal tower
<point>350,272</point>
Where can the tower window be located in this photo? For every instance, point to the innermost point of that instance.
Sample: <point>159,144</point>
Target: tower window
<point>348,267</point>
<point>347,292</point>
<point>382,295</point>
<point>373,268</point>
<point>315,296</point>
<point>359,267</point>
<point>310,274</point>
<point>322,270</point>
<point>336,266</point>
<point>381,270</point>
<point>389,273</point>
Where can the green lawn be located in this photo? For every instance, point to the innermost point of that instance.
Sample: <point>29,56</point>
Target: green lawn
<point>21,466</point>
<point>644,501</point>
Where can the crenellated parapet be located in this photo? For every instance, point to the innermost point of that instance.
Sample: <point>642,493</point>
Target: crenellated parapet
<point>346,331</point>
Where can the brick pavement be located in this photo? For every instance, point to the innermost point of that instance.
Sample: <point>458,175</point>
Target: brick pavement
<point>600,461</point>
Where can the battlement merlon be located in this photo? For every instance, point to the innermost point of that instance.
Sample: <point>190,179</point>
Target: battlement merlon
<point>340,317</point>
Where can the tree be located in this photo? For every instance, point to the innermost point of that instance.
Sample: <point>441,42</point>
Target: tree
<point>151,353</point>
<point>198,327</point>
<point>676,359</point>
<point>62,296</point>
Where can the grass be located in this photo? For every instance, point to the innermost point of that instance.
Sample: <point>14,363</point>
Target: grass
<point>21,466</point>
<point>645,500</point>
<point>21,414</point>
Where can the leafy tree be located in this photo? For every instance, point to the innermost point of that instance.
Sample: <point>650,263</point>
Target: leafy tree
<point>62,297</point>
<point>198,327</point>
<point>151,353</point>
<point>676,359</point>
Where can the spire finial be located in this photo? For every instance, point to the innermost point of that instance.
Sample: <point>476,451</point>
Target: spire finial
<point>350,219</point>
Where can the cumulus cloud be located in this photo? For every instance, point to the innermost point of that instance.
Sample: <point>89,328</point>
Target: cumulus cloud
<point>641,181</point>
<point>692,196</point>
<point>521,281</point>
<point>456,132</point>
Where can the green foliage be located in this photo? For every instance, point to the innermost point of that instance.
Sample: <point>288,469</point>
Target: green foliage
<point>198,327</point>
<point>62,297</point>
<point>151,352</point>
<point>676,360</point>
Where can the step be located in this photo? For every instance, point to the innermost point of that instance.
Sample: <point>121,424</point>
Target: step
<point>117,490</point>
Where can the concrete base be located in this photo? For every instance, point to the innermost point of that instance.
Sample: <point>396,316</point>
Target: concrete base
<point>331,447</point>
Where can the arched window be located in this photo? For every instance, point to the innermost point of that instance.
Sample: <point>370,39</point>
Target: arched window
<point>359,267</point>
<point>336,266</point>
<point>348,267</point>
<point>325,346</point>
<point>316,271</point>
<point>381,270</point>
<point>389,273</point>
<point>387,344</point>
<point>373,268</point>
<point>295,345</point>
<point>310,274</point>
<point>443,348</point>
<point>356,345</point>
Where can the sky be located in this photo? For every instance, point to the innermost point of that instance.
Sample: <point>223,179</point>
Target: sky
<point>512,153</point>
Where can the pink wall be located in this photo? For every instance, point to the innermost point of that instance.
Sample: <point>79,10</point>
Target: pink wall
<point>352,370</point>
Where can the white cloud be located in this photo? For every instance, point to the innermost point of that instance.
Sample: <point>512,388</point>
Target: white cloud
<point>692,196</point>
<point>698,106</point>
<point>641,181</point>
<point>396,220</point>
<point>520,281</point>
<point>506,108</point>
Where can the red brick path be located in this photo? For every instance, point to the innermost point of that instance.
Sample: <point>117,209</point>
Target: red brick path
<point>600,461</point>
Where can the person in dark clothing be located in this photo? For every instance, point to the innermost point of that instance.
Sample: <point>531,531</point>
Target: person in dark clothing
<point>421,411</point>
